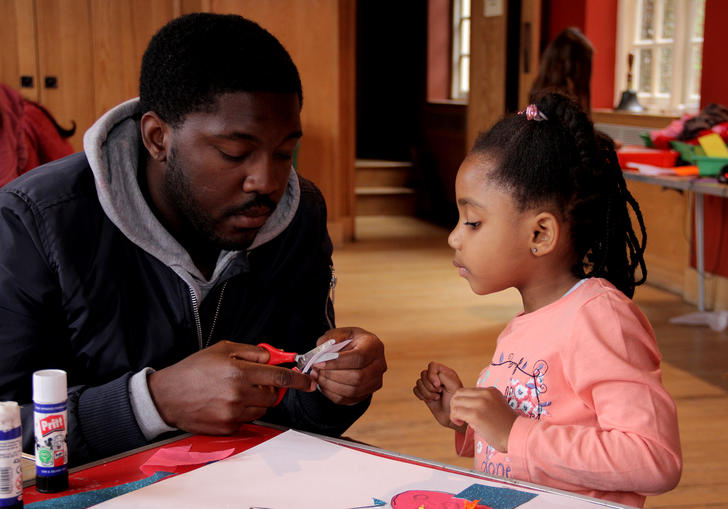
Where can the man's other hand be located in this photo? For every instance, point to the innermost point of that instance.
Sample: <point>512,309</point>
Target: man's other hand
<point>358,371</point>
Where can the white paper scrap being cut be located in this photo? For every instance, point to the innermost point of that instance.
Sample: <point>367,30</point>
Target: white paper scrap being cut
<point>328,353</point>
<point>294,470</point>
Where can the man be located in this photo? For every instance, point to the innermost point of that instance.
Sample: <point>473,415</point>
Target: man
<point>181,225</point>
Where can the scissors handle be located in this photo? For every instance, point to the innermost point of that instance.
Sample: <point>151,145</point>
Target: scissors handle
<point>278,356</point>
<point>282,391</point>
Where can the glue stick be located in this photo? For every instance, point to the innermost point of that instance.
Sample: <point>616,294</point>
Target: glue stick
<point>11,456</point>
<point>51,449</point>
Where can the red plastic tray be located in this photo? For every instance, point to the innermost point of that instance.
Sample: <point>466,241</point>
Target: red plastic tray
<point>644,155</point>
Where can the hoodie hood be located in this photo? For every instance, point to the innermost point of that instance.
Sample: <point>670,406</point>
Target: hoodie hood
<point>112,147</point>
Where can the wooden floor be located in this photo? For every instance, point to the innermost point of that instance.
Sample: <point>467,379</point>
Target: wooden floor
<point>398,281</point>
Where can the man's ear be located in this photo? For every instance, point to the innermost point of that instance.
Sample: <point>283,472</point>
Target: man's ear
<point>545,233</point>
<point>155,136</point>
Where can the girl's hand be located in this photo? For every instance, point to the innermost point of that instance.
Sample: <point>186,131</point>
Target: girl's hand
<point>436,387</point>
<point>486,410</point>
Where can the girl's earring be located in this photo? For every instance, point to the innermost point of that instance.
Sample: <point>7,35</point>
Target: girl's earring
<point>534,249</point>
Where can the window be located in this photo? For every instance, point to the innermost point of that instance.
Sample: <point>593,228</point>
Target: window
<point>665,38</point>
<point>460,50</point>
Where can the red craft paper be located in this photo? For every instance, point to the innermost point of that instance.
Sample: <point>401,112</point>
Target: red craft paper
<point>167,459</point>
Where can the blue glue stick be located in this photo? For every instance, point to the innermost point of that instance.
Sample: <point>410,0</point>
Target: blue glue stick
<point>51,448</point>
<point>11,456</point>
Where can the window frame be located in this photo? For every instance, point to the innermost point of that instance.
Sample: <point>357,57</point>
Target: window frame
<point>458,55</point>
<point>680,98</point>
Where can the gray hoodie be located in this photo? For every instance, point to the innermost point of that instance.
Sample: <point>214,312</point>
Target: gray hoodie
<point>112,148</point>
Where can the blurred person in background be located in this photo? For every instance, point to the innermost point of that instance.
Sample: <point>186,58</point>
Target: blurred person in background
<point>566,67</point>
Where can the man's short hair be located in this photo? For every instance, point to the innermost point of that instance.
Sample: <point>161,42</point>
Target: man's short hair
<point>194,58</point>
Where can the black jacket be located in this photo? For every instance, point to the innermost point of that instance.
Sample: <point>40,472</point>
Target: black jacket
<point>76,294</point>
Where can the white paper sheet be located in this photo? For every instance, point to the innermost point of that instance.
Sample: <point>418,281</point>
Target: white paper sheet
<point>294,470</point>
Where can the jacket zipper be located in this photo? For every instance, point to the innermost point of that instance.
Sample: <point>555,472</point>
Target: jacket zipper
<point>330,296</point>
<point>196,313</point>
<point>198,321</point>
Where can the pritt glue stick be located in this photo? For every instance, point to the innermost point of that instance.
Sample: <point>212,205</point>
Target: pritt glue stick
<point>51,448</point>
<point>11,456</point>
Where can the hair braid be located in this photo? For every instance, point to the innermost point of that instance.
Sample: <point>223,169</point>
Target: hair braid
<point>634,248</point>
<point>600,203</point>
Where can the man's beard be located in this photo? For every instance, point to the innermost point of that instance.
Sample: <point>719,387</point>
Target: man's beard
<point>199,225</point>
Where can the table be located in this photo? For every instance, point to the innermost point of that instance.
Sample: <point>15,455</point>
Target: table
<point>125,469</point>
<point>700,186</point>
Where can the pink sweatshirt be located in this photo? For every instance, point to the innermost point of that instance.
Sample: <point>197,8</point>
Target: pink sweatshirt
<point>584,372</point>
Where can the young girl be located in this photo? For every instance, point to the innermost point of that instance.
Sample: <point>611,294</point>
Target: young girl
<point>573,396</point>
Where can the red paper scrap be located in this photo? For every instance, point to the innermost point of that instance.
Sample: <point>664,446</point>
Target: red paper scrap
<point>168,458</point>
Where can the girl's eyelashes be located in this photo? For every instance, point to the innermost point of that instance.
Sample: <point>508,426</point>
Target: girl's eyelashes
<point>472,224</point>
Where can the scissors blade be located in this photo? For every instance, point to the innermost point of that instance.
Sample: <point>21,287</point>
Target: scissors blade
<point>324,352</point>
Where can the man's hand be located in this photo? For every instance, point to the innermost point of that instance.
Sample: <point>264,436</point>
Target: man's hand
<point>358,371</point>
<point>487,411</point>
<point>436,387</point>
<point>219,388</point>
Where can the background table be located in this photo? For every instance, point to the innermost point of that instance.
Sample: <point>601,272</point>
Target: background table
<point>700,186</point>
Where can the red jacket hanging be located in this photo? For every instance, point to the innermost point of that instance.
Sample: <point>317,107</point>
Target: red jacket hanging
<point>29,136</point>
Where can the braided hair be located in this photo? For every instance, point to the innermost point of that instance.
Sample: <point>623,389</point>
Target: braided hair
<point>561,163</point>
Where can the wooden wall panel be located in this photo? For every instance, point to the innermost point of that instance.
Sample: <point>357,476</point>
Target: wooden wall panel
<point>19,51</point>
<point>117,54</point>
<point>319,35</point>
<point>188,6</point>
<point>528,57</point>
<point>486,103</point>
<point>9,42</point>
<point>64,52</point>
<point>668,217</point>
<point>345,121</point>
<point>439,49</point>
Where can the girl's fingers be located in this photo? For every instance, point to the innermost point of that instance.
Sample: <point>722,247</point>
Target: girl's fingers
<point>450,381</point>
<point>469,404</point>
<point>429,384</point>
<point>457,421</point>
<point>474,394</point>
<point>432,378</point>
<point>418,392</point>
<point>466,411</point>
<point>424,392</point>
<point>433,373</point>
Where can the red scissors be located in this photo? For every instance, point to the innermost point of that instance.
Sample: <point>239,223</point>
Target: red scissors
<point>326,351</point>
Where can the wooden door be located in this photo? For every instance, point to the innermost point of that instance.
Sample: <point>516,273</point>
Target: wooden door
<point>488,42</point>
<point>121,31</point>
<point>65,62</point>
<point>18,57</point>
<point>528,59</point>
